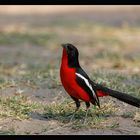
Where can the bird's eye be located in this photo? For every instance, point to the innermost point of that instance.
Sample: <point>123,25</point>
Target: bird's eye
<point>70,48</point>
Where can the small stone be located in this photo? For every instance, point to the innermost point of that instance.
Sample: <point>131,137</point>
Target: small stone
<point>137,117</point>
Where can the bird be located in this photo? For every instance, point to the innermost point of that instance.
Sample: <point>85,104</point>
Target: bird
<point>79,86</point>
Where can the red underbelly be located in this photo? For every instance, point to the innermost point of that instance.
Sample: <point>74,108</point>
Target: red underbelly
<point>73,89</point>
<point>101,93</point>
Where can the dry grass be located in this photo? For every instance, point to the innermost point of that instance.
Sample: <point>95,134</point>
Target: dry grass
<point>62,112</point>
<point>17,107</point>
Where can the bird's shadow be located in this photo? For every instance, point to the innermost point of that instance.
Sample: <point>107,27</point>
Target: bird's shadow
<point>53,116</point>
<point>66,117</point>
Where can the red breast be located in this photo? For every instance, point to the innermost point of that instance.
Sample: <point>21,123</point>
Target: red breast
<point>68,79</point>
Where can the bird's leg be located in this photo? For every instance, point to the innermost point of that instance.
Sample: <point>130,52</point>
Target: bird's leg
<point>77,107</point>
<point>87,108</point>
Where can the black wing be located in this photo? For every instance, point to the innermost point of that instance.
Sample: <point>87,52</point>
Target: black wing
<point>84,81</point>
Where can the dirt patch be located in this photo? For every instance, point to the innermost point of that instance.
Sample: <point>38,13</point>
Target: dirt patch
<point>40,126</point>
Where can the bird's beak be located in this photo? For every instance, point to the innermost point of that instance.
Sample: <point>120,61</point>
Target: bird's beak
<point>63,45</point>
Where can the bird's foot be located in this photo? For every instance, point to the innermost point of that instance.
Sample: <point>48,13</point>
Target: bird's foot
<point>85,119</point>
<point>73,115</point>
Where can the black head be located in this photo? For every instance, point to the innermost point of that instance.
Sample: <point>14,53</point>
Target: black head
<point>73,54</point>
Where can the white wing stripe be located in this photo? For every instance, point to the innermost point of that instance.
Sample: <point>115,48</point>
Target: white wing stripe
<point>87,83</point>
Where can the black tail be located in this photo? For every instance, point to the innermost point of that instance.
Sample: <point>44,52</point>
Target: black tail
<point>119,95</point>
